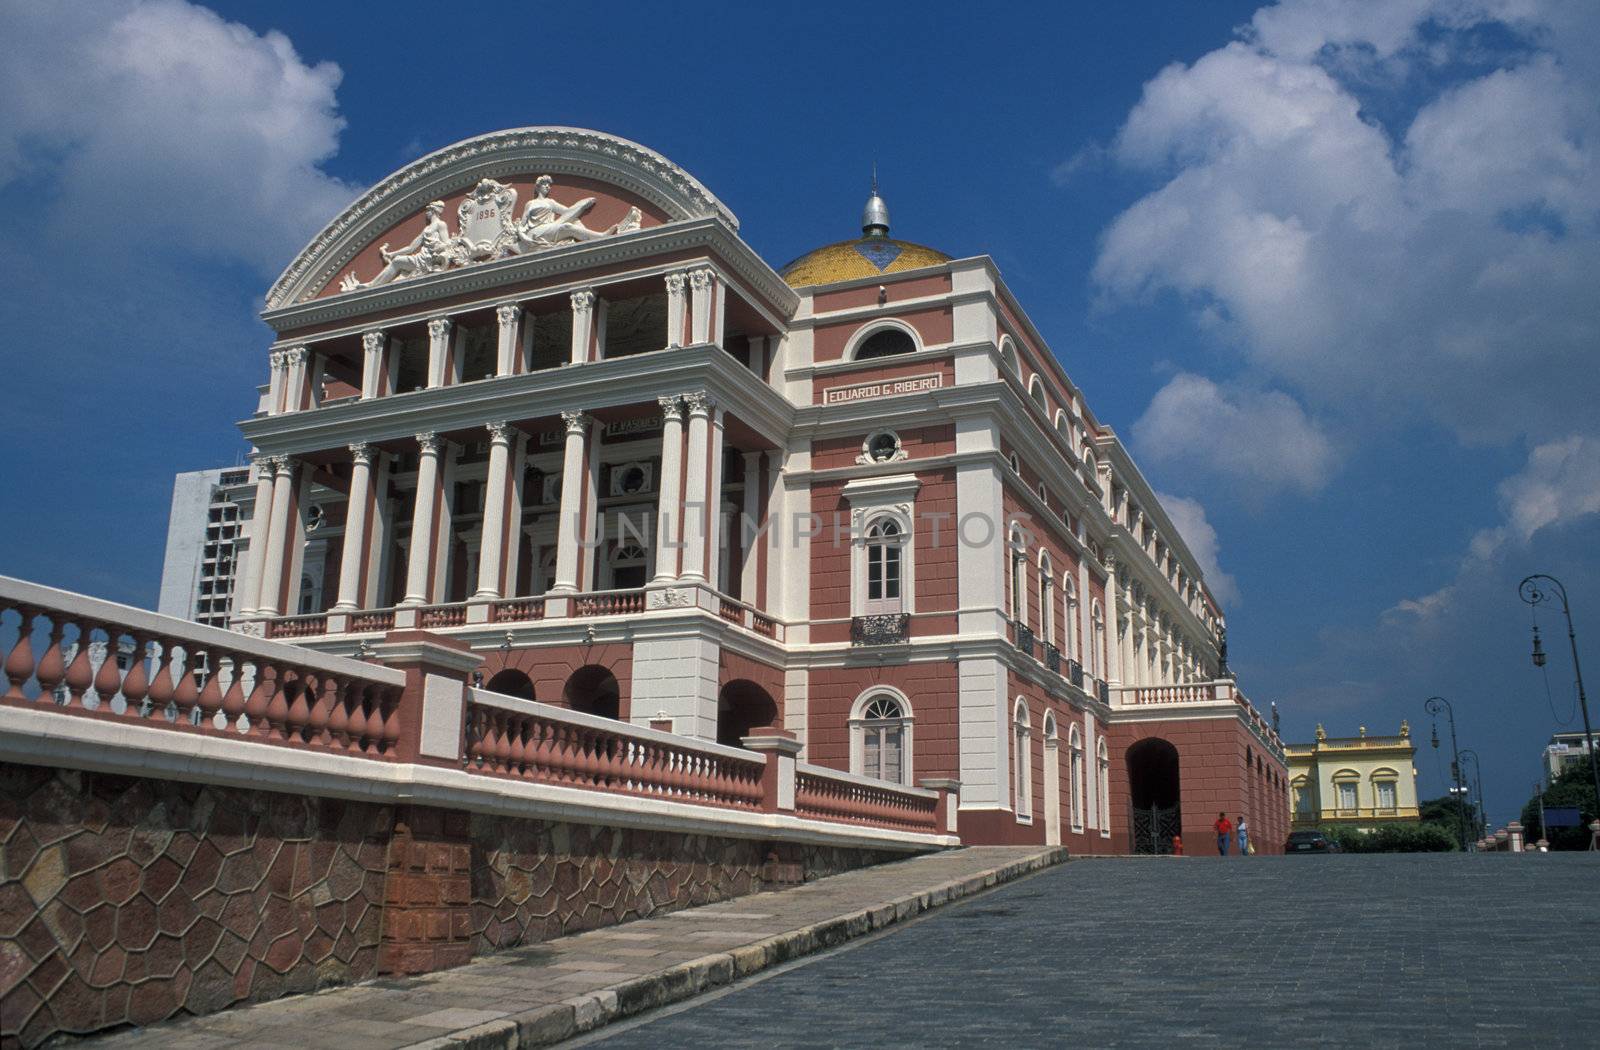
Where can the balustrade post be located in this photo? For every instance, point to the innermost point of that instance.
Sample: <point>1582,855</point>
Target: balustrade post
<point>19,662</point>
<point>425,720</point>
<point>52,668</point>
<point>778,778</point>
<point>944,811</point>
<point>108,679</point>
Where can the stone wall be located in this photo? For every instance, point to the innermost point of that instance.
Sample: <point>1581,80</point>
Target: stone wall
<point>127,900</point>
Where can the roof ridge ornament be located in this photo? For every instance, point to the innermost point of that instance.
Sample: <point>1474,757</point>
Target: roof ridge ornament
<point>875,216</point>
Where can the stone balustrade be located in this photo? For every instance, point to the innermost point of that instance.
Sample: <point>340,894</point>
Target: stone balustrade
<point>87,658</point>
<point>528,740</point>
<point>827,794</point>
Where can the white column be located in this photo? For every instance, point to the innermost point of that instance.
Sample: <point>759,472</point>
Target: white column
<point>749,577</point>
<point>582,325</point>
<point>493,531</point>
<point>438,350</point>
<point>700,306</point>
<point>277,537</point>
<point>669,509</point>
<point>1113,606</point>
<point>372,363</point>
<point>758,355</point>
<point>675,305</point>
<point>714,538</point>
<point>249,594</point>
<point>294,380</point>
<point>506,354</point>
<point>275,382</point>
<point>697,506</point>
<point>419,562</point>
<point>569,522</point>
<point>355,528</point>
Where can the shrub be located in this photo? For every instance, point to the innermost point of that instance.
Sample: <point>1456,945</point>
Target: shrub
<point>1408,837</point>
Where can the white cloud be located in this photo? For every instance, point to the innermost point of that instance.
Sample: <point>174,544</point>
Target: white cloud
<point>1201,539</point>
<point>150,125</point>
<point>1262,439</point>
<point>1430,269</point>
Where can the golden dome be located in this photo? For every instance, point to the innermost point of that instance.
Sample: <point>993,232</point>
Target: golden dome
<point>863,257</point>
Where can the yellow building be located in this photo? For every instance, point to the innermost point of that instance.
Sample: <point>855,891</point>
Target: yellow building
<point>1361,781</point>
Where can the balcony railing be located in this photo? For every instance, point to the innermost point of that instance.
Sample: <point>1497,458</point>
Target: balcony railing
<point>1075,673</point>
<point>1023,636</point>
<point>1102,689</point>
<point>1052,658</point>
<point>608,603</point>
<point>451,615</point>
<point>309,626</point>
<point>517,609</point>
<point>880,629</point>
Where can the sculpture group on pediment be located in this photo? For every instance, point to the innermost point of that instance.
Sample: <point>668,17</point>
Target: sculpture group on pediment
<point>488,228</point>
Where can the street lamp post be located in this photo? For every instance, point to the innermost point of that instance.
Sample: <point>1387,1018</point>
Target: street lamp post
<point>1468,753</point>
<point>1432,705</point>
<point>1530,590</point>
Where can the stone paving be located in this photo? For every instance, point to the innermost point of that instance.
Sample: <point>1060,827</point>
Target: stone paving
<point>537,995</point>
<point>1444,950</point>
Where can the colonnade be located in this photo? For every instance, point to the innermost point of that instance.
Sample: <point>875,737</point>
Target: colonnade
<point>696,305</point>
<point>686,536</point>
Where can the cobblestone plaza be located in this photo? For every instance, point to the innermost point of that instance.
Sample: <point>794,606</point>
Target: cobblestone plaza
<point>1350,951</point>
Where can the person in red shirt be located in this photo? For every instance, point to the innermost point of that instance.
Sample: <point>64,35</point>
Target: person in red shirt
<point>1224,828</point>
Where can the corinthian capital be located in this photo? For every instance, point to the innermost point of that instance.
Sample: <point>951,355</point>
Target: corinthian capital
<point>438,327</point>
<point>499,432</point>
<point>275,359</point>
<point>701,278</point>
<point>576,421</point>
<point>507,314</point>
<point>372,341</point>
<point>671,408</point>
<point>675,282</point>
<point>428,442</point>
<point>296,355</point>
<point>582,301</point>
<point>699,403</point>
<point>361,453</point>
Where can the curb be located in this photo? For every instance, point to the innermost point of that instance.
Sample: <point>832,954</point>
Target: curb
<point>545,1025</point>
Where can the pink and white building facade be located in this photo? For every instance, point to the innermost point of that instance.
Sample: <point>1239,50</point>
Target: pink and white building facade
<point>533,392</point>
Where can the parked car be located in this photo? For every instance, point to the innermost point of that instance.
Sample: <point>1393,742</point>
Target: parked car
<point>1310,842</point>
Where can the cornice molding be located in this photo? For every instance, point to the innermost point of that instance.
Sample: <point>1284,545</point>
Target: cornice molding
<point>553,150</point>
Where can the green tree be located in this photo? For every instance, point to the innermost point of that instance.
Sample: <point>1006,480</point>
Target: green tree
<point>1446,812</point>
<point>1574,787</point>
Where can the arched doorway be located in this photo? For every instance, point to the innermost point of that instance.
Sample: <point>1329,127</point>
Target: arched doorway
<point>511,682</point>
<point>1154,785</point>
<point>743,706</point>
<point>593,690</point>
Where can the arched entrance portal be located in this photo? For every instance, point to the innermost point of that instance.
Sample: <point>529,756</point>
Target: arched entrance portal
<point>511,682</point>
<point>1153,784</point>
<point>593,690</point>
<point>743,706</point>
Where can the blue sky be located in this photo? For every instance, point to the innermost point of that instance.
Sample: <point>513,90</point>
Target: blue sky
<point>1327,267</point>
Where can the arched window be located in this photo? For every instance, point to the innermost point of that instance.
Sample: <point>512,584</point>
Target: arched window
<point>1008,356</point>
<point>1036,392</point>
<point>1347,791</point>
<point>1064,427</point>
<point>1023,763</point>
<point>1097,644</point>
<point>1076,779</point>
<point>1103,787</point>
<point>1047,600</point>
<point>627,566</point>
<point>1019,577</point>
<point>1069,624</point>
<point>880,735</point>
<point>889,340</point>
<point>884,549</point>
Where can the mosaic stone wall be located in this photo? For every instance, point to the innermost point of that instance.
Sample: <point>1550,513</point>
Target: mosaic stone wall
<point>126,900</point>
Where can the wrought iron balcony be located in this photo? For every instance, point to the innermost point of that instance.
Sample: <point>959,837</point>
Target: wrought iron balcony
<point>1102,689</point>
<point>1075,673</point>
<point>1052,658</point>
<point>1024,637</point>
<point>880,629</point>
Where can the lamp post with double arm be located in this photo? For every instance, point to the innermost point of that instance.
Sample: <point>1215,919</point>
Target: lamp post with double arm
<point>1433,705</point>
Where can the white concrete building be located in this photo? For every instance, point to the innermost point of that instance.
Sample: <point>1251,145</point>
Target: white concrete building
<point>206,543</point>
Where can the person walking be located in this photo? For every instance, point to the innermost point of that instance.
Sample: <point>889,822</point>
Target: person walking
<point>1224,829</point>
<point>1244,837</point>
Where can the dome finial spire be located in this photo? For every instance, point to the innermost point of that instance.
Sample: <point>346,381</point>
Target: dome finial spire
<point>875,216</point>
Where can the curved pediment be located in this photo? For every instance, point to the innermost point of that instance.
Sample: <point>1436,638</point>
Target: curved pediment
<point>498,195</point>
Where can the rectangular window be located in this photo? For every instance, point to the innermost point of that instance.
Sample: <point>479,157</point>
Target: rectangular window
<point>1385,794</point>
<point>1347,796</point>
<point>874,575</point>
